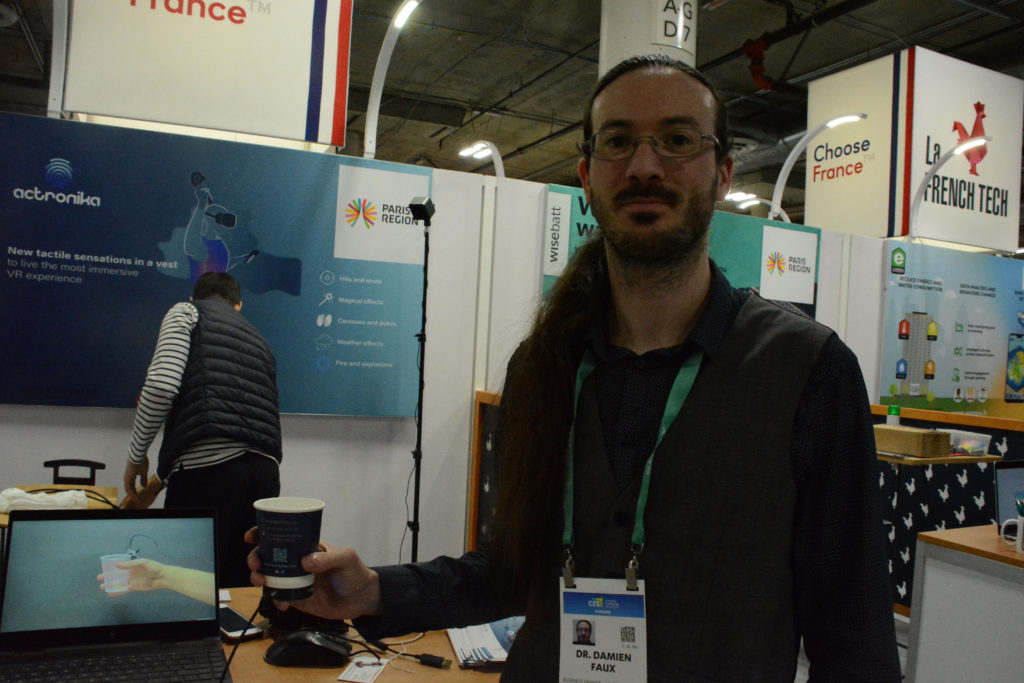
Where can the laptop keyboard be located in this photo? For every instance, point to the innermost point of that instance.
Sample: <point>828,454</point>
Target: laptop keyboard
<point>154,663</point>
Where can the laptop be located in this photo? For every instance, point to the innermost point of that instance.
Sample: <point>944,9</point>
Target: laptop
<point>55,606</point>
<point>1009,478</point>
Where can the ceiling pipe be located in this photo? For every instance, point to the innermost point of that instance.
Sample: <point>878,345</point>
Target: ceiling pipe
<point>522,87</point>
<point>33,46</point>
<point>793,29</point>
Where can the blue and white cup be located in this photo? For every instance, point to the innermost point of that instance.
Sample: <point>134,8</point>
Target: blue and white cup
<point>289,530</point>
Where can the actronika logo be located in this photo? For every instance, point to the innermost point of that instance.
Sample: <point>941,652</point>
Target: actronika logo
<point>58,173</point>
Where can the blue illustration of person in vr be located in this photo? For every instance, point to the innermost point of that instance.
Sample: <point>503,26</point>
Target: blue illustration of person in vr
<point>204,243</point>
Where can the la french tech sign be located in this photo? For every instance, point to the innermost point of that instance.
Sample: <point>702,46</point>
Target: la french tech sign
<point>216,11</point>
<point>970,194</point>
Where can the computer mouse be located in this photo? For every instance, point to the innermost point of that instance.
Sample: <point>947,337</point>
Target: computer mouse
<point>308,649</point>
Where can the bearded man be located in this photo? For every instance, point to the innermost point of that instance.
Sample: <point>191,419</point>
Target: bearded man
<point>660,427</point>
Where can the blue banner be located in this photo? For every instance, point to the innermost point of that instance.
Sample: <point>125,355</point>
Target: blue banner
<point>605,604</point>
<point>105,228</point>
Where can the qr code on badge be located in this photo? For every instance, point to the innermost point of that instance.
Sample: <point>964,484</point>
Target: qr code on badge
<point>628,634</point>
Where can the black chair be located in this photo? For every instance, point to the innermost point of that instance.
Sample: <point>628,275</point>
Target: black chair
<point>89,480</point>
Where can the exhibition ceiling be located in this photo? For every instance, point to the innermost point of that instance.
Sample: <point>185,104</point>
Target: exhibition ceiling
<point>516,72</point>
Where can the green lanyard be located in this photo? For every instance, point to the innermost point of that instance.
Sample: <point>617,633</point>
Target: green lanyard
<point>676,398</point>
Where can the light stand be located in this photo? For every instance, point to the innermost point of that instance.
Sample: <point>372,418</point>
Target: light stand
<point>380,71</point>
<point>422,209</point>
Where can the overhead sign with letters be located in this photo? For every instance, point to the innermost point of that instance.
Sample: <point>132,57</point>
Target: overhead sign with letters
<point>647,26</point>
<point>863,177</point>
<point>269,68</point>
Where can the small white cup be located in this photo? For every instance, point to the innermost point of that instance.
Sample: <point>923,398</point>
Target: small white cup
<point>115,580</point>
<point>1018,541</point>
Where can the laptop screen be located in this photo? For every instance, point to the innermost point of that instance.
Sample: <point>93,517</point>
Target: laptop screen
<point>79,577</point>
<point>1009,486</point>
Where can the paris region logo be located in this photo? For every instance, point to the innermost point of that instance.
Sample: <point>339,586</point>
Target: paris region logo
<point>776,263</point>
<point>361,208</point>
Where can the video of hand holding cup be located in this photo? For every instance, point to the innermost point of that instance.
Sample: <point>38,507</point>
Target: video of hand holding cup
<point>289,529</point>
<point>115,579</point>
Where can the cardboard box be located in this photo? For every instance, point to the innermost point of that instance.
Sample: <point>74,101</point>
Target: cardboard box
<point>914,441</point>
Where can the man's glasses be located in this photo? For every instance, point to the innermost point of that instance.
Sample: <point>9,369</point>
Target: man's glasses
<point>673,143</point>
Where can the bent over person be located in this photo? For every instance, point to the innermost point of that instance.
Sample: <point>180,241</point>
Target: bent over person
<point>212,384</point>
<point>660,425</point>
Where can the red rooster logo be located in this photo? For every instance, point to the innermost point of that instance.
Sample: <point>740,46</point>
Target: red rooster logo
<point>974,156</point>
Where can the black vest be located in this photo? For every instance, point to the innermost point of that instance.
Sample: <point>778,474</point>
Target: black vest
<point>229,388</point>
<point>719,520</point>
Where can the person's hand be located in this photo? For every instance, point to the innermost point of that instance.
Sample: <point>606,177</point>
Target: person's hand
<point>343,588</point>
<point>135,472</point>
<point>143,575</point>
<point>145,496</point>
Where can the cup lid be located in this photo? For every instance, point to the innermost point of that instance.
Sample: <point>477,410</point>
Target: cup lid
<point>289,504</point>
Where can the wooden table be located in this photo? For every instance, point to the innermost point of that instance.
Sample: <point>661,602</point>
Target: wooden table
<point>968,607</point>
<point>898,459</point>
<point>248,664</point>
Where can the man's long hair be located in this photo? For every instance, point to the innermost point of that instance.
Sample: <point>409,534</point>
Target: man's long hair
<point>537,411</point>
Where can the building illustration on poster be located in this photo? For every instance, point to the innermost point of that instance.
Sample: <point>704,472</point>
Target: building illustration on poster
<point>916,367</point>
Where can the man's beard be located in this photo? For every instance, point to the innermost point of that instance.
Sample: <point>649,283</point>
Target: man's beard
<point>636,246</point>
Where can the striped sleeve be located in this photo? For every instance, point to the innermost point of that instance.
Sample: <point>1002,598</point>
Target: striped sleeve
<point>163,380</point>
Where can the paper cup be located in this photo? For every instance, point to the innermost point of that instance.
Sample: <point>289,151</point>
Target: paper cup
<point>289,530</point>
<point>115,580</point>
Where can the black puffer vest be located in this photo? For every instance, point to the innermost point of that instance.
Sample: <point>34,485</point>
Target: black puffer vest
<point>229,389</point>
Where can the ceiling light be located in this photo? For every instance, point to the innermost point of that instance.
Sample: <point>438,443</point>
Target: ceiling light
<point>970,144</point>
<point>840,120</point>
<point>739,196</point>
<point>473,149</point>
<point>380,71</point>
<point>481,149</point>
<point>403,14</point>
